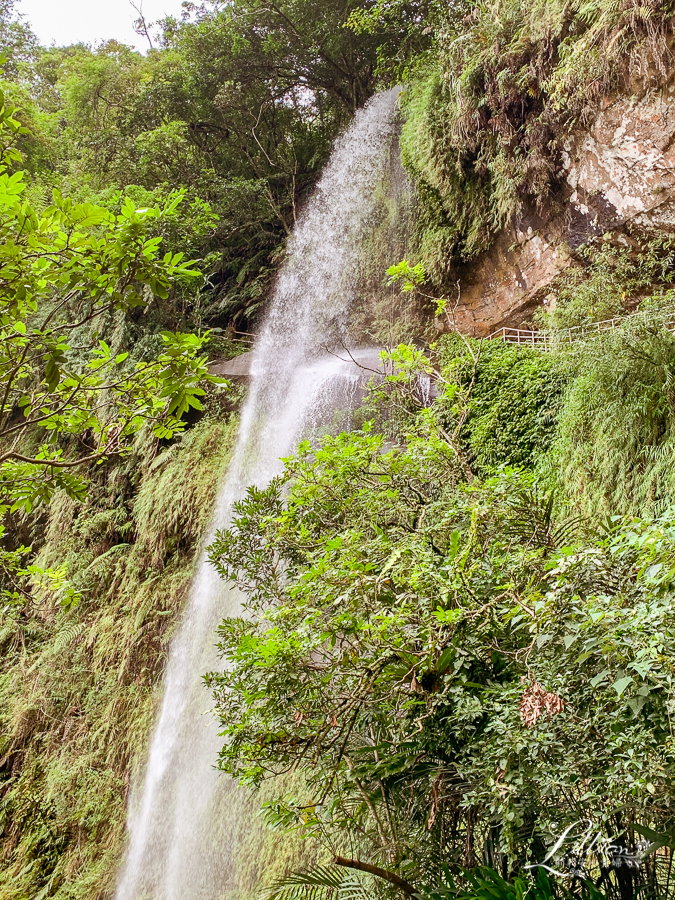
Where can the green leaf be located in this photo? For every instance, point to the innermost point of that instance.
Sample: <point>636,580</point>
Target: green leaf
<point>622,683</point>
<point>599,678</point>
<point>445,659</point>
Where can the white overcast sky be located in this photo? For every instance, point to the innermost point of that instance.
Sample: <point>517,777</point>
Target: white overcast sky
<point>91,21</point>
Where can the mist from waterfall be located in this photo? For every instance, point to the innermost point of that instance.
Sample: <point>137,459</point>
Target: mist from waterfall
<point>176,850</point>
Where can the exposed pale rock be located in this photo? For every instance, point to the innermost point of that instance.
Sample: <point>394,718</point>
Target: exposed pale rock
<point>506,283</point>
<point>619,172</point>
<point>623,168</point>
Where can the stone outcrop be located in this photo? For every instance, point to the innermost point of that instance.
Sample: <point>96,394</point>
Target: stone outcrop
<point>618,177</point>
<point>623,169</point>
<point>507,282</point>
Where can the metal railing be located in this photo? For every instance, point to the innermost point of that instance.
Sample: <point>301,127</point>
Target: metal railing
<point>521,337</point>
<point>544,341</point>
<point>241,337</point>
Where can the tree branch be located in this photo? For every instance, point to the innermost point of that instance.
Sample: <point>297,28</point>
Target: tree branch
<point>385,874</point>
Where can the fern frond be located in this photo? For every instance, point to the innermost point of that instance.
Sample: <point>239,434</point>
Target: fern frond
<point>98,566</point>
<point>67,635</point>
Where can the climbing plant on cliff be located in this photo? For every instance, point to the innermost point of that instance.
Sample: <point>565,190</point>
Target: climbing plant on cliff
<point>614,447</point>
<point>77,681</point>
<point>489,113</point>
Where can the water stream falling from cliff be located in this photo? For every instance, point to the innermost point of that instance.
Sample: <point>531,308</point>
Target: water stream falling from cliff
<point>175,852</point>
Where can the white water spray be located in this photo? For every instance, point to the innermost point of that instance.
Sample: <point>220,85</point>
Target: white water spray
<point>174,851</point>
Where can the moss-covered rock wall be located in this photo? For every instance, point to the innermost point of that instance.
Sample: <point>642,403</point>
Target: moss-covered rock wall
<point>79,682</point>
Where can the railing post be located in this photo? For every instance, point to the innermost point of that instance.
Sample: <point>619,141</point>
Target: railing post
<point>530,338</point>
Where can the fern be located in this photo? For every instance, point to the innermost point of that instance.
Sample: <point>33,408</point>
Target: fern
<point>532,520</point>
<point>98,566</point>
<point>7,634</point>
<point>616,441</point>
<point>66,636</point>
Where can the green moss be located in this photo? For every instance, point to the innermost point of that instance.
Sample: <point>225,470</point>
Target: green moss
<point>487,117</point>
<point>454,201</point>
<point>78,687</point>
<point>381,315</point>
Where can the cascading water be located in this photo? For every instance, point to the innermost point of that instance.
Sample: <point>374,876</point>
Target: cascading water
<point>176,849</point>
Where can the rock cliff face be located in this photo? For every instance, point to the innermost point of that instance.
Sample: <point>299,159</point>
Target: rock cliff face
<point>618,177</point>
<point>511,279</point>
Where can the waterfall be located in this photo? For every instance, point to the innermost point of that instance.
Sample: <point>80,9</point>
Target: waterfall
<point>175,851</point>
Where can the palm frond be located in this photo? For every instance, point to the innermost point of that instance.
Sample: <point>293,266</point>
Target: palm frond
<point>317,884</point>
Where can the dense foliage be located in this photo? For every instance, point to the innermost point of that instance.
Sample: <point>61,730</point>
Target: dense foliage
<point>116,168</point>
<point>515,397</point>
<point>77,680</point>
<point>238,104</point>
<point>463,669</point>
<point>459,641</point>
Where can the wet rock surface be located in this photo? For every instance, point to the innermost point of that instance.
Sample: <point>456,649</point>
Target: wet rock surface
<point>618,177</point>
<point>507,283</point>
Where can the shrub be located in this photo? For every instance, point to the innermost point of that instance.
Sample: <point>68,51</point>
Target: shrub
<point>514,402</point>
<point>615,448</point>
